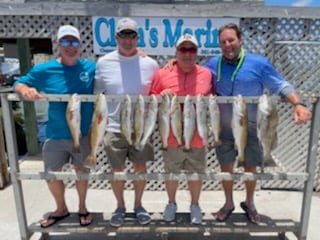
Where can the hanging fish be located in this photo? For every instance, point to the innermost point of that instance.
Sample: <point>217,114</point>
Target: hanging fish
<point>267,122</point>
<point>73,117</point>
<point>240,127</point>
<point>97,128</point>
<point>215,120</point>
<point>176,119</point>
<point>125,119</point>
<point>202,120</point>
<point>164,120</point>
<point>139,120</point>
<point>189,122</point>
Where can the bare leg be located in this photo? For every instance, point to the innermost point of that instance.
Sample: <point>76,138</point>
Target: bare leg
<point>171,187</point>
<point>228,206</point>
<point>117,187</point>
<point>57,190</point>
<point>139,185</point>
<point>82,188</point>
<point>195,190</point>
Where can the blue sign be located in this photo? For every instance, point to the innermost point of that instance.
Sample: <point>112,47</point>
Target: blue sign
<point>158,36</point>
<point>293,3</point>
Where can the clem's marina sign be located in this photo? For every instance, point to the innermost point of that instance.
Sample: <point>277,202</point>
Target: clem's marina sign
<point>158,36</point>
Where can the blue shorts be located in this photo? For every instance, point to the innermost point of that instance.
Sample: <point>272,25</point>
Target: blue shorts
<point>58,152</point>
<point>226,152</point>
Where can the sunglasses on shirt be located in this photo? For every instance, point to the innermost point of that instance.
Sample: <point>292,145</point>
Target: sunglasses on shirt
<point>130,35</point>
<point>187,50</point>
<point>66,43</point>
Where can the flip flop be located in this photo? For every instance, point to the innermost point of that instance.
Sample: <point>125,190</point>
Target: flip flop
<point>55,220</point>
<point>226,212</point>
<point>84,215</point>
<point>252,215</point>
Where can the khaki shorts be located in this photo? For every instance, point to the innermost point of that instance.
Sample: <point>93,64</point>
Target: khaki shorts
<point>193,161</point>
<point>57,153</point>
<point>118,150</point>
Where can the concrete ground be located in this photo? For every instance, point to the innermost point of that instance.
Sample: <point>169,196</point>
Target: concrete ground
<point>273,204</point>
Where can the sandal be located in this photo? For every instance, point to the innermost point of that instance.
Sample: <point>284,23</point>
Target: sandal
<point>85,217</point>
<point>117,218</point>
<point>225,212</point>
<point>142,215</point>
<point>54,220</point>
<point>251,214</point>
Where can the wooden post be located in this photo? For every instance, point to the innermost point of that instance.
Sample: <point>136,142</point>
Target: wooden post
<point>29,108</point>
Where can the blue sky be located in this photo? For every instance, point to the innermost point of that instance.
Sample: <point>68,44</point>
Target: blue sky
<point>293,3</point>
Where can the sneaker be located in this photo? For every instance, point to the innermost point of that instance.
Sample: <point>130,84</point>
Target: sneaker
<point>195,214</point>
<point>142,215</point>
<point>117,218</point>
<point>170,212</point>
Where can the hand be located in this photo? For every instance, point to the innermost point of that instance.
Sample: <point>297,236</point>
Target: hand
<point>301,114</point>
<point>168,92</point>
<point>30,94</point>
<point>170,63</point>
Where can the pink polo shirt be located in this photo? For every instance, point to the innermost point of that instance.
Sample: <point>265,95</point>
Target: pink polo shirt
<point>198,81</point>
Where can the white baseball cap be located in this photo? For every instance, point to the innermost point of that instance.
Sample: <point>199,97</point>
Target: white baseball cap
<point>68,30</point>
<point>127,24</point>
<point>187,38</point>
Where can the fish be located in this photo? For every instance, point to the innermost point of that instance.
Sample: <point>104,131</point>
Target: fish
<point>139,120</point>
<point>267,122</point>
<point>73,116</point>
<point>240,127</point>
<point>176,119</point>
<point>150,122</point>
<point>125,119</point>
<point>202,120</point>
<point>214,119</point>
<point>97,128</point>
<point>189,122</point>
<point>164,120</point>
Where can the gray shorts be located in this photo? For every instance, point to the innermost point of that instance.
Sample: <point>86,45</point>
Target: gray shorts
<point>57,153</point>
<point>175,160</point>
<point>118,150</point>
<point>226,152</point>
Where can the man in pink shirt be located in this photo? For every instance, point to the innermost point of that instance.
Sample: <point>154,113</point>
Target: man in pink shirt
<point>185,78</point>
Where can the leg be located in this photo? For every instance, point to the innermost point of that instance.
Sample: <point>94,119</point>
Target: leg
<point>139,185</point>
<point>57,190</point>
<point>195,190</point>
<point>228,206</point>
<point>171,187</point>
<point>249,202</point>
<point>82,188</point>
<point>117,188</point>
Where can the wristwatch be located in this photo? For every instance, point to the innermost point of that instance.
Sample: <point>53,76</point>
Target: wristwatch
<point>299,103</point>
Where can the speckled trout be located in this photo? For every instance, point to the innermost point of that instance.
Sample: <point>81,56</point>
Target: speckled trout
<point>139,113</point>
<point>240,127</point>
<point>189,122</point>
<point>150,122</point>
<point>267,122</point>
<point>73,117</point>
<point>98,127</point>
<point>215,120</point>
<point>125,119</point>
<point>202,120</point>
<point>176,119</point>
<point>164,120</point>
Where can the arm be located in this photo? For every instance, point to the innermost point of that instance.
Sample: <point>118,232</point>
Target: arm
<point>28,93</point>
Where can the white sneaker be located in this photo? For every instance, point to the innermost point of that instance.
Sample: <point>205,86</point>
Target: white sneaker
<point>170,212</point>
<point>195,214</point>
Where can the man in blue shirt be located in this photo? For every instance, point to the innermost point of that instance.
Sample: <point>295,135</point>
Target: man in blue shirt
<point>239,73</point>
<point>65,75</point>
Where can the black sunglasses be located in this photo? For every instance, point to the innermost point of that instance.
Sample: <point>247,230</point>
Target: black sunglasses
<point>187,50</point>
<point>130,35</point>
<point>66,43</point>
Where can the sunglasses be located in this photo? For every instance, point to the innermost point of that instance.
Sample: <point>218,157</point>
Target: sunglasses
<point>130,35</point>
<point>67,43</point>
<point>187,50</point>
